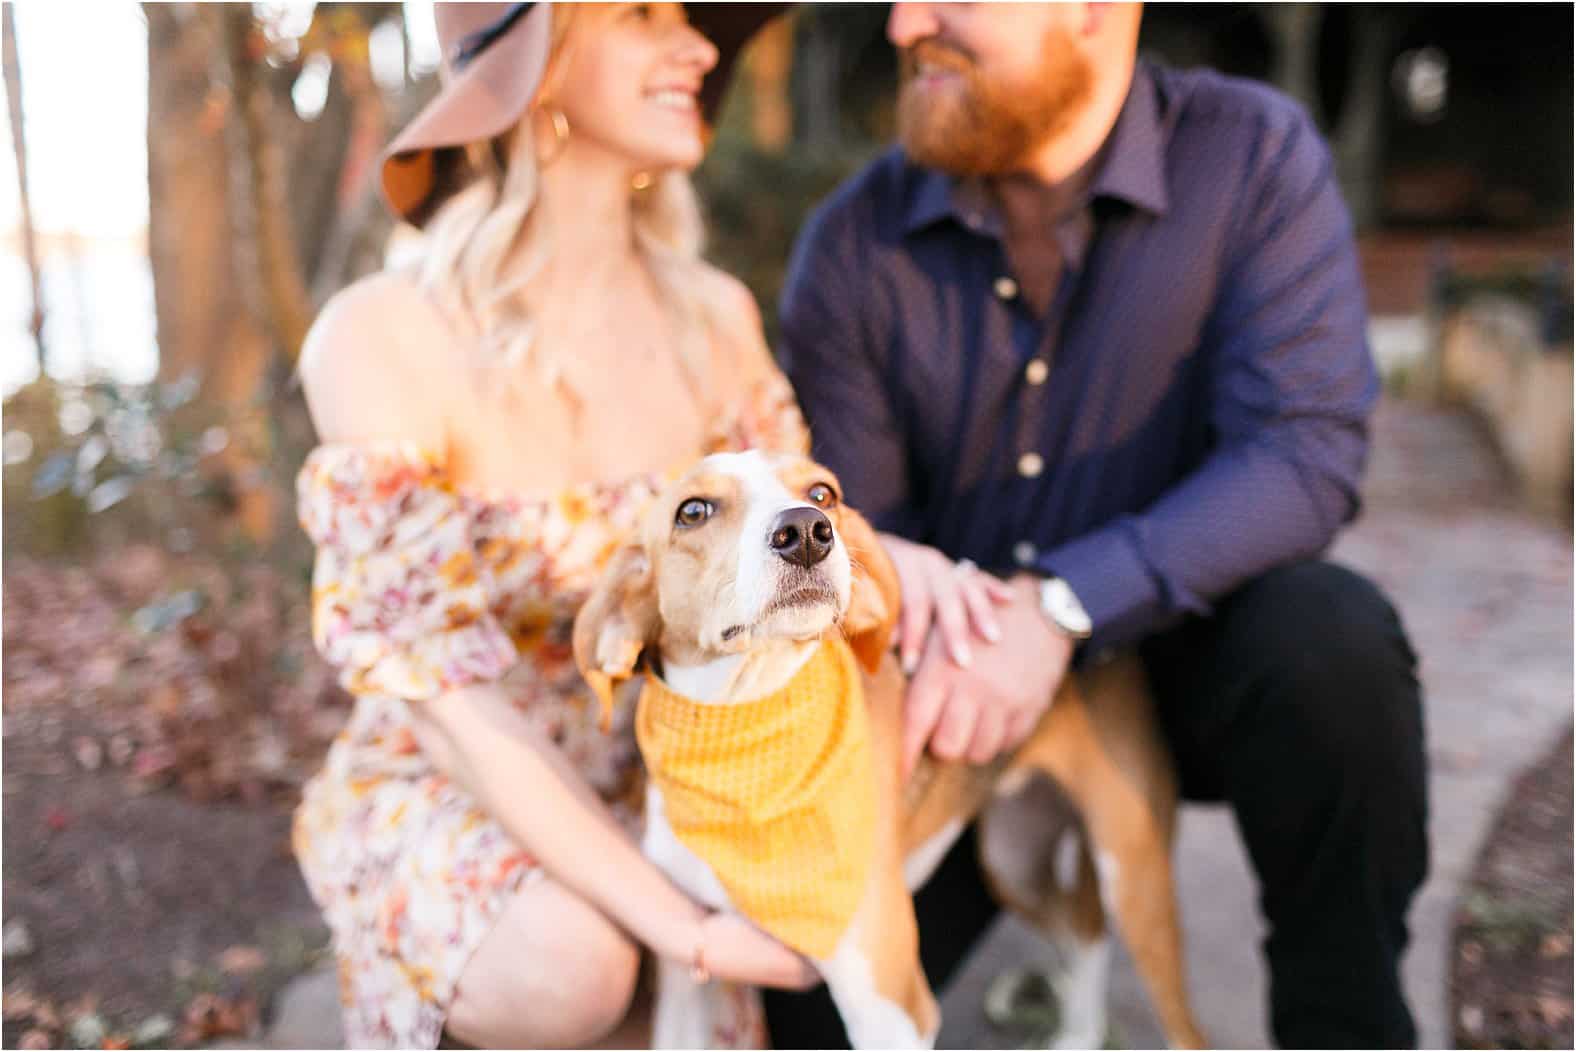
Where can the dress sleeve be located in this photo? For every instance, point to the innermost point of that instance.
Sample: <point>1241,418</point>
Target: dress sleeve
<point>400,603</point>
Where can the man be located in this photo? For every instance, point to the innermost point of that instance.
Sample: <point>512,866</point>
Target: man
<point>1098,326</point>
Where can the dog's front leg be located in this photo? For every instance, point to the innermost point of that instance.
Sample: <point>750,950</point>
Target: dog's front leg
<point>873,1018</point>
<point>681,1017</point>
<point>682,1014</point>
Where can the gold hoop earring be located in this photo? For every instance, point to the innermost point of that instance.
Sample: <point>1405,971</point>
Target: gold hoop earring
<point>560,135</point>
<point>641,181</point>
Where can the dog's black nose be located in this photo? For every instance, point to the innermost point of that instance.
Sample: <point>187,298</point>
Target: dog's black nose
<point>802,535</point>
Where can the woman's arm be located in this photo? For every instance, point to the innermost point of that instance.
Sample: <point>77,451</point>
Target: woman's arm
<point>478,738</point>
<point>368,374</point>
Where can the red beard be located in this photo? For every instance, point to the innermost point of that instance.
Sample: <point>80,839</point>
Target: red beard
<point>987,125</point>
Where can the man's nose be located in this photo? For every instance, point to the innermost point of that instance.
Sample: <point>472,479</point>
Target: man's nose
<point>909,23</point>
<point>802,536</point>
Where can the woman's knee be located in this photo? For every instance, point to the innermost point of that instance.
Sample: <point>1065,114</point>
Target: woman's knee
<point>554,972</point>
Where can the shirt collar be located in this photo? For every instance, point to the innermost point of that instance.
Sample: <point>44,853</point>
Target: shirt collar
<point>1133,170</point>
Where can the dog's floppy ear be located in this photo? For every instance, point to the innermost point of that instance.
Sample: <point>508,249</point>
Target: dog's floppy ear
<point>617,621</point>
<point>875,602</point>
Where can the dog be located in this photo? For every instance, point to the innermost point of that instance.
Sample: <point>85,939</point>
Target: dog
<point>750,576</point>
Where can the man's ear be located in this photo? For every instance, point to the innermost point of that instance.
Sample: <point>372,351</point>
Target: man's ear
<point>876,596</point>
<point>615,624</point>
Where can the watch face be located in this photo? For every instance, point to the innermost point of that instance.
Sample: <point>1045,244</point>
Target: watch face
<point>1063,607</point>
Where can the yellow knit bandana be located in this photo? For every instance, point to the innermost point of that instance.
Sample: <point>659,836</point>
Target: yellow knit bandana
<point>777,794</point>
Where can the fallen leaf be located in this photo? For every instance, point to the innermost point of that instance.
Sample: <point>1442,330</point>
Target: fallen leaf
<point>17,940</point>
<point>57,819</point>
<point>153,1031</point>
<point>1555,945</point>
<point>1554,1009</point>
<point>89,753</point>
<point>36,1038</point>
<point>17,1004</point>
<point>209,1016</point>
<point>120,750</point>
<point>242,960</point>
<point>88,1031</point>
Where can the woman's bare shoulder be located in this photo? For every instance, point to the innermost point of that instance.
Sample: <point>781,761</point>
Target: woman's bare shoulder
<point>731,299</point>
<point>371,364</point>
<point>739,338</point>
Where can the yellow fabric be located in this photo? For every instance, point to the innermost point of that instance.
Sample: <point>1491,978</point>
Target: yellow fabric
<point>777,794</point>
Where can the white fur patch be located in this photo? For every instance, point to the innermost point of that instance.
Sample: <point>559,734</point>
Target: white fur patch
<point>762,670</point>
<point>703,683</point>
<point>872,1021</point>
<point>1066,862</point>
<point>1013,782</point>
<point>685,868</point>
<point>1081,990</point>
<point>681,1016</point>
<point>1109,873</point>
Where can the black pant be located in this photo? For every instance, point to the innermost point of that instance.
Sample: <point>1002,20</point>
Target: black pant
<point>1297,703</point>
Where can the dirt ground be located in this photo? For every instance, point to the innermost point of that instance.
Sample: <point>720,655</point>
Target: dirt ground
<point>137,903</point>
<point>150,758</point>
<point>1511,974</point>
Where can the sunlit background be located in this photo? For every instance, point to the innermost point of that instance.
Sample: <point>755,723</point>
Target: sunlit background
<point>162,701</point>
<point>85,86</point>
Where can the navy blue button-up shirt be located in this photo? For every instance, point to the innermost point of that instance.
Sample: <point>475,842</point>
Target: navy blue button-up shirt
<point>1200,415</point>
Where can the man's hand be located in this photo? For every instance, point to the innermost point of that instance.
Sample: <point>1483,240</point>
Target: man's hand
<point>975,713</point>
<point>949,596</point>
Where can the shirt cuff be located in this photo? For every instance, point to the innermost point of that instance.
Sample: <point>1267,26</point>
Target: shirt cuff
<point>1117,589</point>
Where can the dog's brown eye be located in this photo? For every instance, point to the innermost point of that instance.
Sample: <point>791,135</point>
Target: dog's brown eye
<point>822,495</point>
<point>693,512</point>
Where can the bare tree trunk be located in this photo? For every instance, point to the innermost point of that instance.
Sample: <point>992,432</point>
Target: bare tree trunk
<point>195,293</point>
<point>263,202</point>
<point>207,323</point>
<point>330,157</point>
<point>13,94</point>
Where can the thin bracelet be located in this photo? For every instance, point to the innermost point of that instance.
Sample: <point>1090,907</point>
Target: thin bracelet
<point>698,970</point>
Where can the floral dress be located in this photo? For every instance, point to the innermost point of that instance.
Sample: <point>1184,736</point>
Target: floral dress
<point>420,588</point>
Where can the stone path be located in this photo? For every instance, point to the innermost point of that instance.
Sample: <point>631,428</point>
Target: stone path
<point>1485,591</point>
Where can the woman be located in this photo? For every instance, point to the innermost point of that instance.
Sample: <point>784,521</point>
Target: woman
<point>492,421</point>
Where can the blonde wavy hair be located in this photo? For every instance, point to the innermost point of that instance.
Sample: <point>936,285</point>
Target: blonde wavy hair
<point>482,250</point>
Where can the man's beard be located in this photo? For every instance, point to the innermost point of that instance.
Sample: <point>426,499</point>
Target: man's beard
<point>991,126</point>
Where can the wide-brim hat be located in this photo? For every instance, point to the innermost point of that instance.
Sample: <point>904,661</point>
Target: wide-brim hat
<point>494,58</point>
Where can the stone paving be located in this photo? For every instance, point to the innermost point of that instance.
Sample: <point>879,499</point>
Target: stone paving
<point>1485,592</point>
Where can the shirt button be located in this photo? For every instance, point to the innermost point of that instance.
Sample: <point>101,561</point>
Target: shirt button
<point>1024,553</point>
<point>1030,465</point>
<point>1036,371</point>
<point>1005,288</point>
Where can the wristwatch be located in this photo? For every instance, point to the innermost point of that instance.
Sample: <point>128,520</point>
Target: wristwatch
<point>1063,609</point>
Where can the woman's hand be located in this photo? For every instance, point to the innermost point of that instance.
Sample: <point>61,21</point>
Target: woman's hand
<point>737,951</point>
<point>951,596</point>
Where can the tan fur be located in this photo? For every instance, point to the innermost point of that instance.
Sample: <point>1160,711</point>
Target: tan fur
<point>616,623</point>
<point>1097,741</point>
<point>885,925</point>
